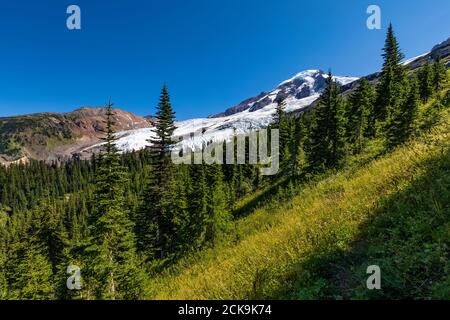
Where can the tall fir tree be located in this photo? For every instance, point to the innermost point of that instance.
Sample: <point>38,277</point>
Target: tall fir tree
<point>360,119</point>
<point>439,75</point>
<point>218,217</point>
<point>426,79</point>
<point>299,157</point>
<point>164,128</point>
<point>33,277</point>
<point>230,175</point>
<point>389,88</point>
<point>282,123</point>
<point>4,288</point>
<point>198,206</point>
<point>159,212</point>
<point>402,120</point>
<point>114,264</point>
<point>51,232</point>
<point>181,218</point>
<point>279,115</point>
<point>326,139</point>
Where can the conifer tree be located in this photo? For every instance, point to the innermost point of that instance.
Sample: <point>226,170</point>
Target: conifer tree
<point>410,108</point>
<point>74,255</point>
<point>359,116</point>
<point>164,129</point>
<point>299,156</point>
<point>426,78</point>
<point>230,176</point>
<point>439,75</point>
<point>51,232</point>
<point>218,217</point>
<point>114,265</point>
<point>327,132</point>
<point>181,217</point>
<point>3,281</point>
<point>279,115</point>
<point>389,88</point>
<point>198,205</point>
<point>33,277</point>
<point>402,120</point>
<point>282,123</point>
<point>156,221</point>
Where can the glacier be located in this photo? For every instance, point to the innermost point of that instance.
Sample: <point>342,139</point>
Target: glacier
<point>298,93</point>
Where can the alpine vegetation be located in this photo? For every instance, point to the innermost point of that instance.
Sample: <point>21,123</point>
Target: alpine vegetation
<point>326,187</point>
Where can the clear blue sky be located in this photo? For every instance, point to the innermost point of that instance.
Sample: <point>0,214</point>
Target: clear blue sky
<point>211,53</point>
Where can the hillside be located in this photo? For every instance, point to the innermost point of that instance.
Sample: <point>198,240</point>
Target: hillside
<point>390,210</point>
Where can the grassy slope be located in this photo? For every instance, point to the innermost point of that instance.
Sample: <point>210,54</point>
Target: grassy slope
<point>393,212</point>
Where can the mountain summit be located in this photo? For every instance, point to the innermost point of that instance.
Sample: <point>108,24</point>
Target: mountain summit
<point>304,84</point>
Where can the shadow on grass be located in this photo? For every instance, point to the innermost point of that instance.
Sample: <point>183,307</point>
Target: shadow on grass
<point>407,236</point>
<point>270,194</point>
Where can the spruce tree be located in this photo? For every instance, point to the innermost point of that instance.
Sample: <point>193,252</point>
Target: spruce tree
<point>33,277</point>
<point>51,232</point>
<point>218,217</point>
<point>299,156</point>
<point>181,216</point>
<point>389,88</point>
<point>426,78</point>
<point>360,121</point>
<point>74,255</point>
<point>4,289</point>
<point>230,176</point>
<point>114,263</point>
<point>283,124</point>
<point>326,147</point>
<point>410,108</point>
<point>156,221</point>
<point>279,115</point>
<point>164,128</point>
<point>402,120</point>
<point>439,75</point>
<point>198,206</point>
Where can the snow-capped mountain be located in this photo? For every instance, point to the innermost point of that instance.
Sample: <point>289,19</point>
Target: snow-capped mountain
<point>302,85</point>
<point>298,92</point>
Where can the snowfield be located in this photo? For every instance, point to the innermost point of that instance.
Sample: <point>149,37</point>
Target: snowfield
<point>198,132</point>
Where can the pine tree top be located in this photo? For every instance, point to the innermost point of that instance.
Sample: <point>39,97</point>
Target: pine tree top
<point>165,123</point>
<point>391,50</point>
<point>110,133</point>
